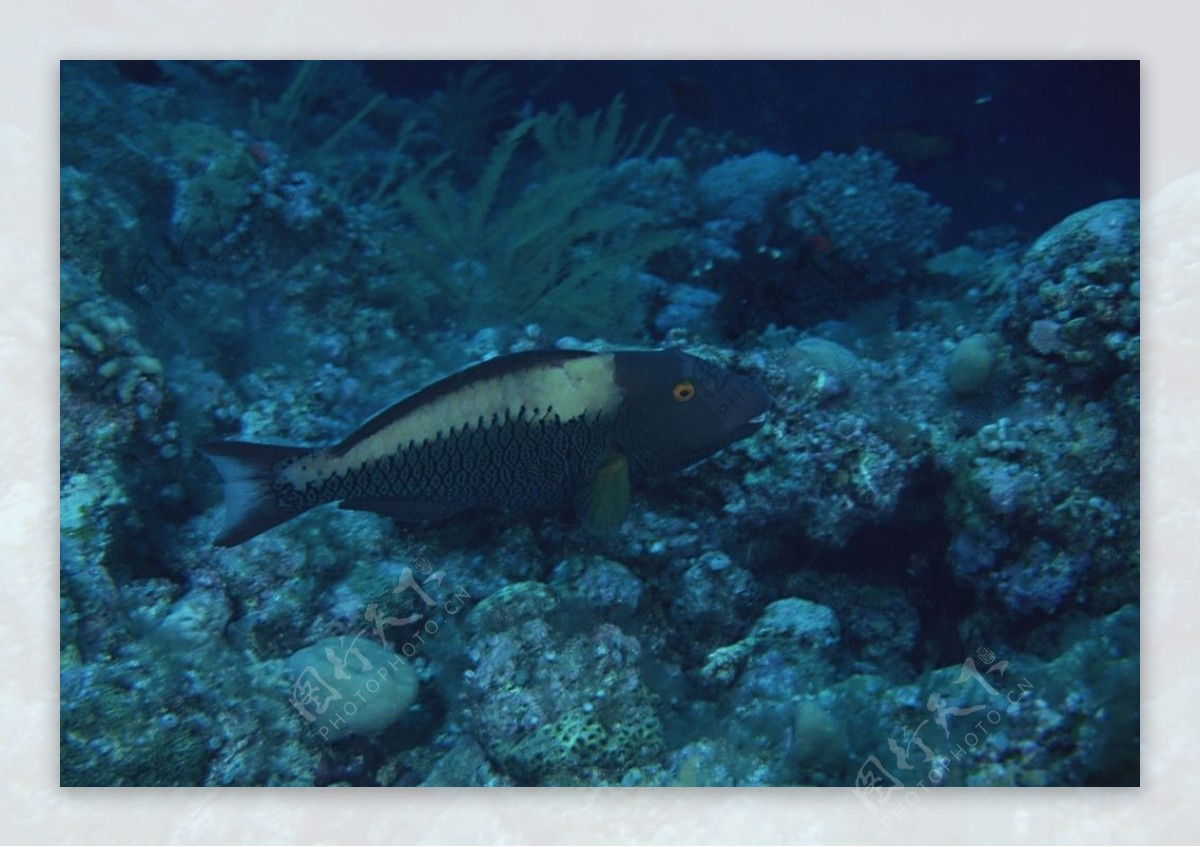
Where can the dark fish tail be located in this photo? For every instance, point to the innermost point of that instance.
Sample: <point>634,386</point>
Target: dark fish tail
<point>248,471</point>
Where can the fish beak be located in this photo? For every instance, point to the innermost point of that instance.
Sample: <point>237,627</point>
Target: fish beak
<point>751,426</point>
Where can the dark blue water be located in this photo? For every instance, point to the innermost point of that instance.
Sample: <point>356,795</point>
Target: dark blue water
<point>1058,135</point>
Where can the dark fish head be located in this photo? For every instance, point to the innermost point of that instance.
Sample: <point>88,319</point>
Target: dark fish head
<point>677,409</point>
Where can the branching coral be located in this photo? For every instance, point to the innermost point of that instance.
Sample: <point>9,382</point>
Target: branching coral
<point>562,254</point>
<point>570,142</point>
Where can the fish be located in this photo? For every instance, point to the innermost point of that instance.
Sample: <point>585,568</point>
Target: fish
<point>914,149</point>
<point>526,432</point>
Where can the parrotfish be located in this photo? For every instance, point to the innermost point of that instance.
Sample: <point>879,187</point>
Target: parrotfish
<point>525,432</point>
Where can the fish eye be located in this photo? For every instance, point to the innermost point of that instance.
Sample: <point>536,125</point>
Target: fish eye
<point>683,391</point>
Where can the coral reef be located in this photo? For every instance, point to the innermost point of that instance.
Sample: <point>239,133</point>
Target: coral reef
<point>535,710</point>
<point>886,228</point>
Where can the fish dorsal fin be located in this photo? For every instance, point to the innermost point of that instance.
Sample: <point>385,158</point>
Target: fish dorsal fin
<point>604,502</point>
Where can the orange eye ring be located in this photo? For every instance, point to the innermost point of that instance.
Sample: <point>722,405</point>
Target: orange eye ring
<point>683,391</point>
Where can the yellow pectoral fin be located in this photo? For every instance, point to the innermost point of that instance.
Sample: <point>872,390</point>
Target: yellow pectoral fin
<point>604,502</point>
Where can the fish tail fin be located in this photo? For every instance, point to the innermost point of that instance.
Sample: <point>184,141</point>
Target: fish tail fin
<point>248,470</point>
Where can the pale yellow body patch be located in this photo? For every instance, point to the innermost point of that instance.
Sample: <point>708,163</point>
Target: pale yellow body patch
<point>568,389</point>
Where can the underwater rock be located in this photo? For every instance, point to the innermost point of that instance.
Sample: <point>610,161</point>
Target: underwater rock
<point>360,688</point>
<point>1076,296</point>
<point>970,365</point>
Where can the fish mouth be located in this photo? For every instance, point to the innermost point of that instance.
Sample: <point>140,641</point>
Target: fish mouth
<point>751,426</point>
